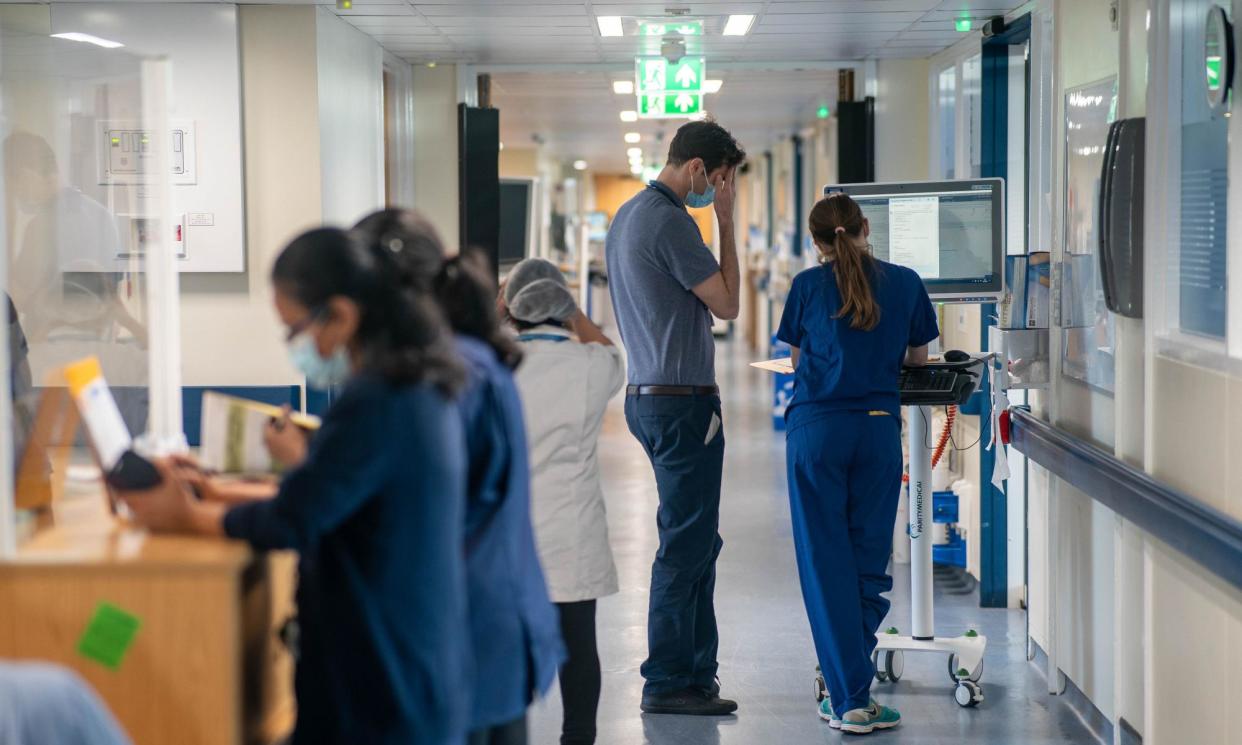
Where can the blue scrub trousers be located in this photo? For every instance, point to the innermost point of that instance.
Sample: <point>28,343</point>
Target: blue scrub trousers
<point>682,640</point>
<point>844,481</point>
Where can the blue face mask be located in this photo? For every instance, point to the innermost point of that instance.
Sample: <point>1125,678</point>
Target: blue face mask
<point>320,373</point>
<point>697,200</point>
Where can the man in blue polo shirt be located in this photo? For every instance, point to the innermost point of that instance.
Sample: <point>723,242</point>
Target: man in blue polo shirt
<point>666,285</point>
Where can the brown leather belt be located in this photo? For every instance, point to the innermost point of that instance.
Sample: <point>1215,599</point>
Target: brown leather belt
<point>672,390</point>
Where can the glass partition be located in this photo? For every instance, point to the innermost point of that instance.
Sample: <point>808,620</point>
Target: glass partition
<point>1087,336</point>
<point>81,208</point>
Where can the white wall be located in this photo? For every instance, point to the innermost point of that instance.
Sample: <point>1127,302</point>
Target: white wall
<point>351,124</point>
<point>399,111</point>
<point>1072,538</point>
<point>902,110</point>
<point>230,333</point>
<point>435,149</point>
<point>201,42</point>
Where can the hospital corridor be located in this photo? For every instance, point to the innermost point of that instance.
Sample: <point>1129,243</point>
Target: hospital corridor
<point>766,649</point>
<point>620,372</point>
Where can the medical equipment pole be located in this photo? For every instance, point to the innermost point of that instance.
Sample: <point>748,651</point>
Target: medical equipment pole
<point>922,615</point>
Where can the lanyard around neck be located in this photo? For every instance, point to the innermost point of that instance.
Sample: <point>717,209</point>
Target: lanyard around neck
<point>542,337</point>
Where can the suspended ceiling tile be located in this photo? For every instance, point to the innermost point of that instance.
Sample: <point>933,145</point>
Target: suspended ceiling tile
<point>499,10</point>
<point>780,7</point>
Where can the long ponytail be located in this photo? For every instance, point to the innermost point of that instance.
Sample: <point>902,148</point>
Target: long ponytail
<point>836,221</point>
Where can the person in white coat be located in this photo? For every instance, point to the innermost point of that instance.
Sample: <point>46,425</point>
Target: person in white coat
<point>569,372</point>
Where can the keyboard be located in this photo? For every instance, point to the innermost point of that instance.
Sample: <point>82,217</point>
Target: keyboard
<point>937,385</point>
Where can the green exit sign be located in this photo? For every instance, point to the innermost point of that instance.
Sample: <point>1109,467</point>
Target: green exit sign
<point>1214,81</point>
<point>664,28</point>
<point>656,75</point>
<point>670,105</point>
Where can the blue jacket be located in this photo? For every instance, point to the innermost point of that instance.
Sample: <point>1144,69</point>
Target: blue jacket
<point>515,628</point>
<point>375,513</point>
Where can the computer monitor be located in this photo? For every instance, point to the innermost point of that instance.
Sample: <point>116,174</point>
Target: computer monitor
<point>518,218</point>
<point>951,232</point>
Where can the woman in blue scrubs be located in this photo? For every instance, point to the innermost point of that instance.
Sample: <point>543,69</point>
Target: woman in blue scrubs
<point>514,626</point>
<point>852,323</point>
<point>374,511</point>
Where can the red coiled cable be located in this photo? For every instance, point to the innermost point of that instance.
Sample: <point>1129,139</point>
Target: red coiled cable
<point>945,435</point>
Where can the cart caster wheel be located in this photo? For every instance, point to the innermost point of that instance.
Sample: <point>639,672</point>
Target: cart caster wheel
<point>967,694</point>
<point>956,671</point>
<point>877,663</point>
<point>890,666</point>
<point>821,687</point>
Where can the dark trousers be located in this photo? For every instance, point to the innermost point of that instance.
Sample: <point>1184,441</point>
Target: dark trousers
<point>512,733</point>
<point>844,481</point>
<point>687,453</point>
<point>580,674</point>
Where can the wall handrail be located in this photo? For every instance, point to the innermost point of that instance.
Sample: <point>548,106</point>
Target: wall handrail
<point>1200,532</point>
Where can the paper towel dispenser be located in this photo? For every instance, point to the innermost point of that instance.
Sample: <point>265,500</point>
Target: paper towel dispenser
<point>1121,218</point>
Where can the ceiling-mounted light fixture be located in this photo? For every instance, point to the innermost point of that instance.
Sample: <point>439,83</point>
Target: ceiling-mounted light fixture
<point>610,26</point>
<point>88,39</point>
<point>634,151</point>
<point>623,87</point>
<point>738,25</point>
<point>712,86</point>
<point>580,165</point>
<point>636,170</point>
<point>633,138</point>
<point>629,116</point>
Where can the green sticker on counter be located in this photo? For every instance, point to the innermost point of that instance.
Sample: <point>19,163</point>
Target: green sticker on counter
<point>109,635</point>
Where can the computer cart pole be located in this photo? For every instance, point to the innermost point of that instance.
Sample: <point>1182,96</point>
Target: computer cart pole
<point>922,612</point>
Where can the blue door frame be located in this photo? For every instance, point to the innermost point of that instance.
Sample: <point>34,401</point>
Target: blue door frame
<point>994,137</point>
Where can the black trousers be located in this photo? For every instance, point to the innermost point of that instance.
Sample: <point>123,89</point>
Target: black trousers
<point>580,675</point>
<point>512,733</point>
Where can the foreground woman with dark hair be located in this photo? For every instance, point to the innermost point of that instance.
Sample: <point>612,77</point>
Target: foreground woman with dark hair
<point>375,509</point>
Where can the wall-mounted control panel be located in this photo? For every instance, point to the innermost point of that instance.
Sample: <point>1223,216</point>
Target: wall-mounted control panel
<point>126,157</point>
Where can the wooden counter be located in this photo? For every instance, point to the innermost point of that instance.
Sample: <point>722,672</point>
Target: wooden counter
<point>205,667</point>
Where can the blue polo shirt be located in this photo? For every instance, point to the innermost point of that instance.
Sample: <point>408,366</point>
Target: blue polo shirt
<point>841,368</point>
<point>656,256</point>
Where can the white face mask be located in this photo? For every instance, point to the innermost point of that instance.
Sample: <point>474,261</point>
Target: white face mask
<point>701,199</point>
<point>320,373</point>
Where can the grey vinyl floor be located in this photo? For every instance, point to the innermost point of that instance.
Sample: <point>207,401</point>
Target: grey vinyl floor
<point>766,658</point>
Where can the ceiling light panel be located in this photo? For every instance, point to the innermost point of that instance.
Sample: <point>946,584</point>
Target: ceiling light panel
<point>610,26</point>
<point>623,87</point>
<point>739,25</point>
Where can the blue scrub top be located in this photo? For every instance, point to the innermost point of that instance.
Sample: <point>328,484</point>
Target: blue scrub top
<point>515,628</point>
<point>375,512</point>
<point>846,369</point>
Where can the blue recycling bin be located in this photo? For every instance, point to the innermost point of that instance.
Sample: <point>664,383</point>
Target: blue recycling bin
<point>783,386</point>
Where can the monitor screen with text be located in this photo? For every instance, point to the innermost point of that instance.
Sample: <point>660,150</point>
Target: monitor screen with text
<point>950,232</point>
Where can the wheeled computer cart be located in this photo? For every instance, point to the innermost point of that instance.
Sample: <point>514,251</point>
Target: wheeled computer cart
<point>936,384</point>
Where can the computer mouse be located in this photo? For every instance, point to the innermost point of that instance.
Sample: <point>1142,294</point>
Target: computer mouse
<point>956,355</point>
